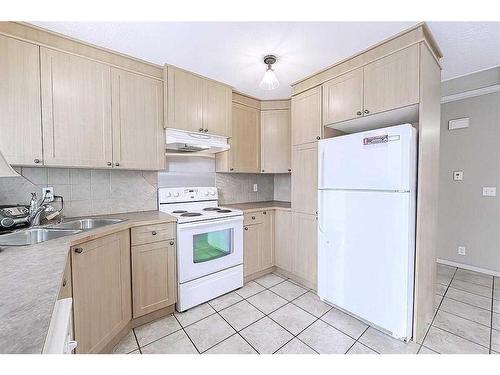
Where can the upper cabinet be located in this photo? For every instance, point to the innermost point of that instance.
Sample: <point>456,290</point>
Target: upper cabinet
<point>76,110</point>
<point>343,97</point>
<point>20,125</point>
<point>138,140</point>
<point>197,104</point>
<point>388,83</point>
<point>306,116</point>
<point>244,154</point>
<point>275,145</point>
<point>392,82</point>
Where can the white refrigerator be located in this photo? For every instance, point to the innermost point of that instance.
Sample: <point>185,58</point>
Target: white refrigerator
<point>366,225</point>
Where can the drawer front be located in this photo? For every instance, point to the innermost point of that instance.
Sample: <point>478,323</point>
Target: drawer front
<point>152,233</point>
<point>253,217</point>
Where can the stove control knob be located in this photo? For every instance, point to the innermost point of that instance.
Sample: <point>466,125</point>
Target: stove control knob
<point>176,194</point>
<point>206,193</point>
<point>169,195</point>
<point>212,193</point>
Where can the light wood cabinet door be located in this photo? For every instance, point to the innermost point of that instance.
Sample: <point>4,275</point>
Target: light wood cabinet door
<point>101,290</point>
<point>217,100</point>
<point>138,135</point>
<point>20,124</point>
<point>244,155</point>
<point>267,238</point>
<point>184,100</point>
<point>66,290</point>
<point>76,111</point>
<point>306,116</point>
<point>343,97</point>
<point>305,247</point>
<point>153,277</point>
<point>275,141</point>
<point>392,82</point>
<point>251,248</point>
<point>305,178</point>
<point>283,239</point>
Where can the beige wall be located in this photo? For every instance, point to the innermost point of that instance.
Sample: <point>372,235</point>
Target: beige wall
<point>466,218</point>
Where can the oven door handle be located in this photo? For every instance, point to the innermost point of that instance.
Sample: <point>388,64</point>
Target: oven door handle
<point>235,219</point>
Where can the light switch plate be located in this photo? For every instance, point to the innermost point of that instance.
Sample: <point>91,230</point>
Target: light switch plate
<point>459,123</point>
<point>461,250</point>
<point>458,175</point>
<point>489,191</point>
<point>255,188</point>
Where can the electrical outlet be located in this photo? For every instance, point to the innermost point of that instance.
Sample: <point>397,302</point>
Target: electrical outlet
<point>489,191</point>
<point>461,250</point>
<point>458,175</point>
<point>48,193</point>
<point>255,188</point>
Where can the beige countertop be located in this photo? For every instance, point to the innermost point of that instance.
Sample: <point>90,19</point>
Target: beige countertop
<point>258,206</point>
<point>31,277</point>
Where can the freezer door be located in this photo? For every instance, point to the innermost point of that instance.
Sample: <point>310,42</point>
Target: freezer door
<point>381,159</point>
<point>366,244</point>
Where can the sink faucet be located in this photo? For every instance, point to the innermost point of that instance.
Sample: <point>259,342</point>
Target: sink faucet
<point>36,210</point>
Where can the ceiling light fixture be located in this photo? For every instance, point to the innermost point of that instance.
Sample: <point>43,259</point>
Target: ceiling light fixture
<point>269,81</point>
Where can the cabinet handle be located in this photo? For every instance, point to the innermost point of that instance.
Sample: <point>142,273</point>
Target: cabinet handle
<point>117,164</point>
<point>171,242</point>
<point>264,213</point>
<point>318,137</point>
<point>366,111</point>
<point>200,129</point>
<point>206,130</point>
<point>253,217</point>
<point>37,161</point>
<point>231,169</point>
<point>289,169</point>
<point>64,282</point>
<point>359,113</point>
<point>246,228</point>
<point>262,170</point>
<point>109,163</point>
<point>153,233</point>
<point>78,250</point>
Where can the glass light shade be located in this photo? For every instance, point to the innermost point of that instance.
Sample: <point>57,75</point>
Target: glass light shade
<point>269,81</point>
<point>5,169</point>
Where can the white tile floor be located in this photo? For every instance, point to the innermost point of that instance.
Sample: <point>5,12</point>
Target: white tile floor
<point>276,315</point>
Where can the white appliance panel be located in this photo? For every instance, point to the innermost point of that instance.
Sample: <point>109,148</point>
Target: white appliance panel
<point>346,162</point>
<point>366,246</point>
<point>188,269</point>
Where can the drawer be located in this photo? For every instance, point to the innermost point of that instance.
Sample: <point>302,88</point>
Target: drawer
<point>152,233</point>
<point>252,218</point>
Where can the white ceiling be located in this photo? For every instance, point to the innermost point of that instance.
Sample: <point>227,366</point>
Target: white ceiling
<point>232,52</point>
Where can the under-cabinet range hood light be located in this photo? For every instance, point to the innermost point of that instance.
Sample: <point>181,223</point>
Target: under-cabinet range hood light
<point>183,141</point>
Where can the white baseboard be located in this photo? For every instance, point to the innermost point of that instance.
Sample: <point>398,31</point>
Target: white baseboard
<point>468,267</point>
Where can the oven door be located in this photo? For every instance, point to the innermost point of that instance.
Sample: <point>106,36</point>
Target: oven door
<point>207,247</point>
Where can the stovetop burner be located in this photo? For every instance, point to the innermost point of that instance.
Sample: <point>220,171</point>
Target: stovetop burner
<point>212,209</point>
<point>191,214</point>
<point>223,211</point>
<point>179,212</point>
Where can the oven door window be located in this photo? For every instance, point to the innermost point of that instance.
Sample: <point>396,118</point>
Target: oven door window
<point>212,245</point>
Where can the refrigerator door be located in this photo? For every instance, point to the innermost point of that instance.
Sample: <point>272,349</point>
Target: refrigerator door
<point>380,159</point>
<point>366,254</point>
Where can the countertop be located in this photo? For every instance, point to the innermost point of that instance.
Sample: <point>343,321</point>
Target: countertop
<point>258,206</point>
<point>31,277</point>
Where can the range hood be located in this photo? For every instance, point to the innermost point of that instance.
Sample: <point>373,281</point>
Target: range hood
<point>183,141</point>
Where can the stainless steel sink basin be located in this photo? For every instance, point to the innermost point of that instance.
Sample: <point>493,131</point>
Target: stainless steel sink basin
<point>87,224</point>
<point>33,236</point>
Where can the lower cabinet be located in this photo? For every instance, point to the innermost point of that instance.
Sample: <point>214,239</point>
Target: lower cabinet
<point>305,247</point>
<point>258,244</point>
<point>283,240</point>
<point>101,290</point>
<point>153,277</point>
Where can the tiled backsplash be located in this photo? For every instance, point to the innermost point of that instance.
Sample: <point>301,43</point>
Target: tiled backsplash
<point>282,187</point>
<point>85,191</point>
<point>238,187</point>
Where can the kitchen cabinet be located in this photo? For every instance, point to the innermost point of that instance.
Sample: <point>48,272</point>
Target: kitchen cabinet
<point>244,154</point>
<point>306,117</point>
<point>66,290</point>
<point>343,97</point>
<point>283,239</point>
<point>305,247</point>
<point>392,82</point>
<point>153,276</point>
<point>138,135</point>
<point>275,141</point>
<point>197,104</point>
<point>251,248</point>
<point>20,124</point>
<point>76,111</point>
<point>101,290</point>
<point>304,183</point>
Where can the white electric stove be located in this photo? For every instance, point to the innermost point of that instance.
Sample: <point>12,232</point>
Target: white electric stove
<point>209,244</point>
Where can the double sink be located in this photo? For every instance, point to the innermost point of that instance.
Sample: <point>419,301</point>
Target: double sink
<point>33,236</point>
